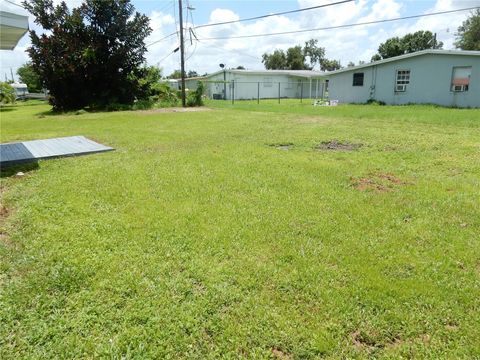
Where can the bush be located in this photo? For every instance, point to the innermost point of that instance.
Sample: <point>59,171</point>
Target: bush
<point>195,97</point>
<point>375,102</point>
<point>166,96</point>
<point>7,93</point>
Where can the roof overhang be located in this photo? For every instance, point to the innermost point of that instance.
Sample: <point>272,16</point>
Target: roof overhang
<point>12,28</point>
<point>406,56</point>
<point>307,74</point>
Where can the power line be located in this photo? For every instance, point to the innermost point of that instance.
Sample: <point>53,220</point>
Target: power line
<point>164,38</point>
<point>165,57</point>
<point>340,26</point>
<point>275,14</point>
<point>234,51</point>
<point>165,6</point>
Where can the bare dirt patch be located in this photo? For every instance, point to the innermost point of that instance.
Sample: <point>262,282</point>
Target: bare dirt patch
<point>338,145</point>
<point>369,341</point>
<point>3,211</point>
<point>282,146</point>
<point>379,182</point>
<point>366,184</point>
<point>279,354</point>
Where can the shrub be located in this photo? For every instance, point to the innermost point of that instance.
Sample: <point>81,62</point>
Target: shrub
<point>375,102</point>
<point>195,97</point>
<point>7,93</point>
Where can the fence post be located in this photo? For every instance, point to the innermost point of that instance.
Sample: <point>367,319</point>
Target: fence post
<point>258,93</point>
<point>301,92</point>
<point>279,92</point>
<point>233,92</point>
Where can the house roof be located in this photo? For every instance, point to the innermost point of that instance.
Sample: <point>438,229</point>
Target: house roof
<point>300,73</point>
<point>13,25</point>
<point>406,56</point>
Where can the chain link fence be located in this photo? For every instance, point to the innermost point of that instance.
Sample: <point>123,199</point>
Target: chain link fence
<point>314,90</point>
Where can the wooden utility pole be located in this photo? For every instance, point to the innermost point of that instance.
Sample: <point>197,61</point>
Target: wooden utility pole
<point>182,51</point>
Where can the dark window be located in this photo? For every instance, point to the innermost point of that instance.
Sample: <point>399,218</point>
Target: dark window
<point>358,79</point>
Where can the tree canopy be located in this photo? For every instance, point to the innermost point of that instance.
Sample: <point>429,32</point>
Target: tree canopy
<point>91,55</point>
<point>396,46</point>
<point>28,76</point>
<point>299,58</point>
<point>468,34</point>
<point>275,61</point>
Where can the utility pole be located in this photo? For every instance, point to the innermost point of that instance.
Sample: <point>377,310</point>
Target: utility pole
<point>182,51</point>
<point>11,73</point>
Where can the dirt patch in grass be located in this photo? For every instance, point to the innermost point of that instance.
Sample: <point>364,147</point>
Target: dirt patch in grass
<point>3,212</point>
<point>379,182</point>
<point>338,145</point>
<point>279,354</point>
<point>282,146</point>
<point>369,341</point>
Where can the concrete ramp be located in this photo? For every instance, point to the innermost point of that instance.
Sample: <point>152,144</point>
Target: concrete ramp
<point>30,151</point>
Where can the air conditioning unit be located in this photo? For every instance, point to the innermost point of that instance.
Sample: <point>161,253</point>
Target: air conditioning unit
<point>459,88</point>
<point>400,88</point>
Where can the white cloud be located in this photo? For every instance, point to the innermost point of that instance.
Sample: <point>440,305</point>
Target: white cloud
<point>347,44</point>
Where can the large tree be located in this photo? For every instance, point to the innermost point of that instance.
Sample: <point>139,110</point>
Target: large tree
<point>314,52</point>
<point>468,34</point>
<point>90,55</point>
<point>28,76</point>
<point>296,57</point>
<point>330,65</point>
<point>420,40</point>
<point>275,61</point>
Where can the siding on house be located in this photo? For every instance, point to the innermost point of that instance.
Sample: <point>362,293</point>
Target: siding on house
<point>430,80</point>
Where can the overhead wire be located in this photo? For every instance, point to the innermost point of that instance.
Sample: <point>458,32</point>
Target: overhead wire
<point>164,38</point>
<point>339,26</point>
<point>191,31</point>
<point>275,14</point>
<point>165,6</point>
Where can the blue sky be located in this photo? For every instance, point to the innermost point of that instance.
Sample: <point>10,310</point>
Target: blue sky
<point>352,44</point>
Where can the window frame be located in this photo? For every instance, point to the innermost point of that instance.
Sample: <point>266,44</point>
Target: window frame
<point>353,79</point>
<point>463,88</point>
<point>406,74</point>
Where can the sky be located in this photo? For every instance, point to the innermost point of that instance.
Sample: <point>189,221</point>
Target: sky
<point>348,44</point>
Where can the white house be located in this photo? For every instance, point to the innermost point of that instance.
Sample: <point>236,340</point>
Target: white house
<point>263,84</point>
<point>443,77</point>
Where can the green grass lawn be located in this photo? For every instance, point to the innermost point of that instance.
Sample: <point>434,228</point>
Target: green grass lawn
<point>200,238</point>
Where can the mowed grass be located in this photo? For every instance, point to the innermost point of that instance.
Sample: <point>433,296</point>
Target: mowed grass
<point>200,238</point>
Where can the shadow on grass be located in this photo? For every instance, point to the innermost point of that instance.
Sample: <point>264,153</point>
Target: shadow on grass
<point>7,108</point>
<point>11,170</point>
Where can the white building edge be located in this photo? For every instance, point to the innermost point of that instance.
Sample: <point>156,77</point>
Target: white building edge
<point>261,84</point>
<point>13,25</point>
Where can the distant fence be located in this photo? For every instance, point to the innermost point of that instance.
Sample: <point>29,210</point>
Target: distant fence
<point>315,89</point>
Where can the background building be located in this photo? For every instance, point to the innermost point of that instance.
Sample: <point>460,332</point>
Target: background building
<point>448,78</point>
<point>263,84</point>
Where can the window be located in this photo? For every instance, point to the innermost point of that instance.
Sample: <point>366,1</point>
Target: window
<point>267,82</point>
<point>403,79</point>
<point>358,79</point>
<point>461,78</point>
